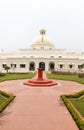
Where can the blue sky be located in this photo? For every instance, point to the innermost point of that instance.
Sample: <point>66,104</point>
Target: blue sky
<point>21,20</point>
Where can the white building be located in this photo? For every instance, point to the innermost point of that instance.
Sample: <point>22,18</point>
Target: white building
<point>42,53</point>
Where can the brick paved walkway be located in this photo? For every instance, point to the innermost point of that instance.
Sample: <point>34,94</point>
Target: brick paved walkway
<point>37,108</point>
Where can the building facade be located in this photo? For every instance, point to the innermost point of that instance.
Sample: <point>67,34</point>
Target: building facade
<point>41,53</point>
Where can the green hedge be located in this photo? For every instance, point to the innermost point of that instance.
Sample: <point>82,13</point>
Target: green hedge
<point>71,109</point>
<point>81,75</point>
<point>2,74</point>
<point>9,98</point>
<point>63,72</point>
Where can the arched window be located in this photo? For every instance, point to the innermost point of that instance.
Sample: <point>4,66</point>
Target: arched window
<point>51,66</point>
<point>32,66</point>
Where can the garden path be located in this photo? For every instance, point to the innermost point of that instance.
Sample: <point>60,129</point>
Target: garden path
<point>38,108</point>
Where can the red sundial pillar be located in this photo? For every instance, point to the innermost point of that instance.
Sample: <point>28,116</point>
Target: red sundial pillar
<point>40,74</point>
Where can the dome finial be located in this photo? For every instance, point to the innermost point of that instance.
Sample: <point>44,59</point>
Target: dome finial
<point>42,31</point>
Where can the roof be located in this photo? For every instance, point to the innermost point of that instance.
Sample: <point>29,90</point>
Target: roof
<point>42,41</point>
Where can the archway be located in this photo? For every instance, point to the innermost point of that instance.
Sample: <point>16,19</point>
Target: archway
<point>32,66</point>
<point>42,65</point>
<point>51,66</point>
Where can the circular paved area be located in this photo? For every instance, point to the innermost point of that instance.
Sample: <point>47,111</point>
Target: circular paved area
<point>37,108</point>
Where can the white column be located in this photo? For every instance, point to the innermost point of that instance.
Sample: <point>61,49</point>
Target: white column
<point>36,65</point>
<point>46,66</point>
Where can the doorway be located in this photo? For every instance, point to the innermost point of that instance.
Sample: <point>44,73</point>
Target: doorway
<point>42,65</point>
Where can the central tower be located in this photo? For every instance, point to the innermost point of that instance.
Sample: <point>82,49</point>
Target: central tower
<point>42,41</point>
<point>42,32</point>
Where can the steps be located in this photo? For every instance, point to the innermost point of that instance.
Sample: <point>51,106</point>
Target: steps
<point>43,83</point>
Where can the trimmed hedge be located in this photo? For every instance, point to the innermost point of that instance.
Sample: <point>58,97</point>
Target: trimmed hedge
<point>71,109</point>
<point>77,95</point>
<point>63,72</point>
<point>9,98</point>
<point>81,75</point>
<point>2,74</point>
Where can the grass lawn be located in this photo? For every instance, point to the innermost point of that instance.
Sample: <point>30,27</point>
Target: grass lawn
<point>66,77</point>
<point>79,104</point>
<point>17,76</point>
<point>77,100</point>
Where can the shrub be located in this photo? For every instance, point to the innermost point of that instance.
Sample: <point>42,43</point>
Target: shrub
<point>2,74</point>
<point>63,72</point>
<point>9,97</point>
<point>71,109</point>
<point>81,75</point>
<point>77,95</point>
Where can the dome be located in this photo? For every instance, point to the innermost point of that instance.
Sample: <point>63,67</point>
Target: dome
<point>42,41</point>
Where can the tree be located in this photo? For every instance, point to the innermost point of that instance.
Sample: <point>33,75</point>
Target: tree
<point>6,68</point>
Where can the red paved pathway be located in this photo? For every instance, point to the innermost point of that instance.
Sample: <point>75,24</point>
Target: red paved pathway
<point>37,108</point>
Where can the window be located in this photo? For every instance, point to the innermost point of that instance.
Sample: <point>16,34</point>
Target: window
<point>51,66</point>
<point>32,66</point>
<point>61,66</point>
<point>51,56</point>
<point>59,56</point>
<point>42,47</point>
<point>4,65</point>
<point>70,66</point>
<point>13,65</point>
<point>79,66</point>
<point>32,56</point>
<point>22,65</point>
